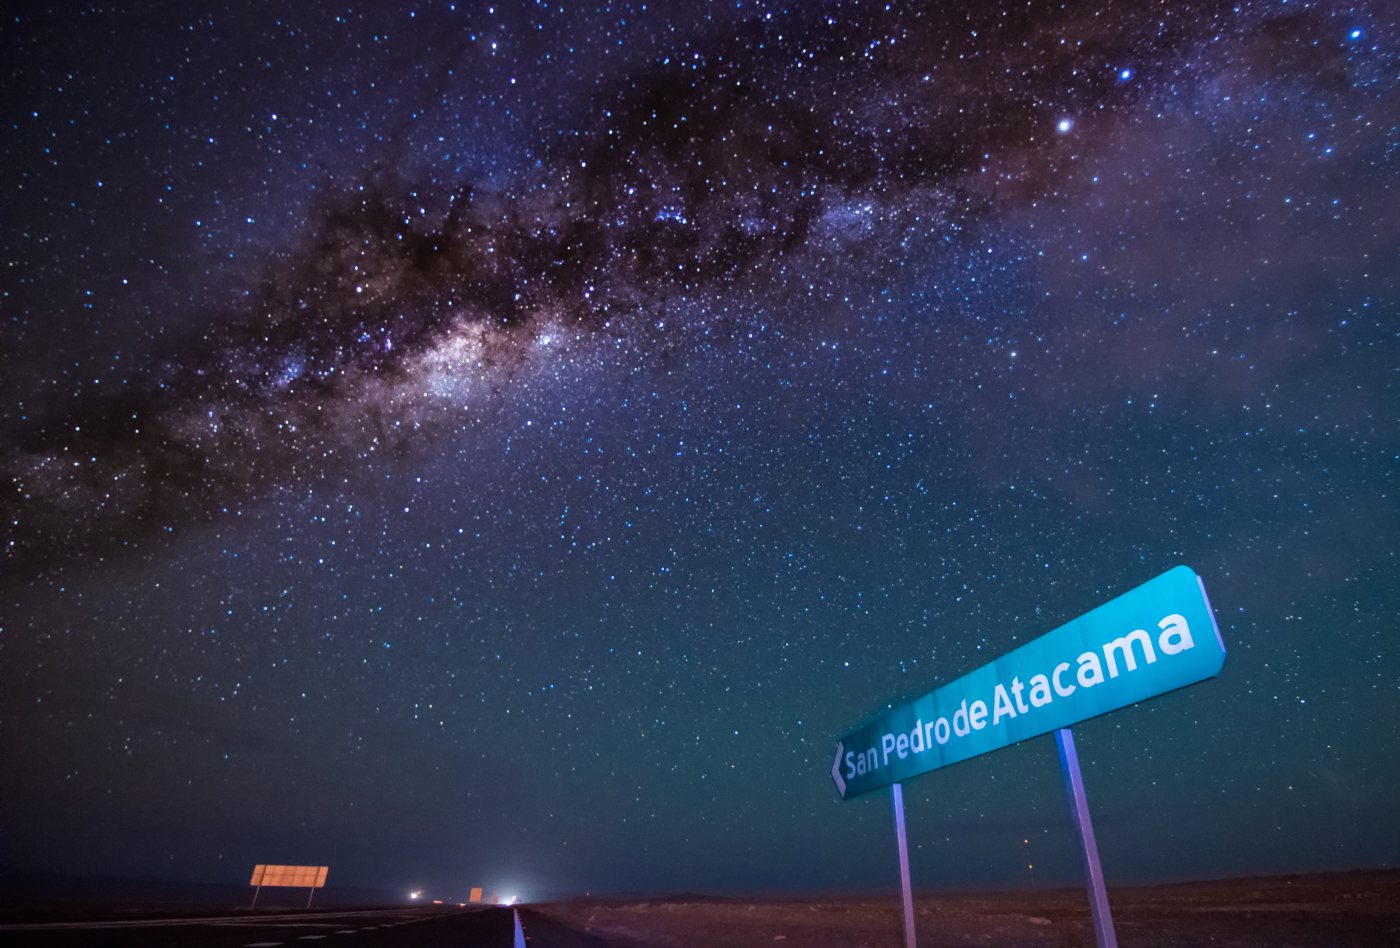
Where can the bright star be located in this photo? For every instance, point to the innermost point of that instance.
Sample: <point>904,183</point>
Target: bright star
<point>1065,125</point>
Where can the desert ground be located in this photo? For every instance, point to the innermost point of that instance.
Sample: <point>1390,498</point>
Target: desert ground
<point>1336,909</point>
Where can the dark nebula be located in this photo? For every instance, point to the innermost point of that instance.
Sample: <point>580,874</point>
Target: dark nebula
<point>735,155</point>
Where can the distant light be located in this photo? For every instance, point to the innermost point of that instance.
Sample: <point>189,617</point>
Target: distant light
<point>416,894</point>
<point>506,900</point>
<point>1064,126</point>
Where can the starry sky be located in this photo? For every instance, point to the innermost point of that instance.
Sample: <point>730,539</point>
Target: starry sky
<point>507,445</point>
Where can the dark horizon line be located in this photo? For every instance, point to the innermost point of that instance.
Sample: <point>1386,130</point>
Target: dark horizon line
<point>15,877</point>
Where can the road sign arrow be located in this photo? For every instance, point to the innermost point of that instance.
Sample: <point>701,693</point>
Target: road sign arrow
<point>836,770</point>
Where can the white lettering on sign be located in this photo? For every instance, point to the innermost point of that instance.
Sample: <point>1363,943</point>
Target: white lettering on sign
<point>1121,656</point>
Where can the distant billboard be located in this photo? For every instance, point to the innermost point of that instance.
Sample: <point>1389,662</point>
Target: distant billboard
<point>300,877</point>
<point>476,894</point>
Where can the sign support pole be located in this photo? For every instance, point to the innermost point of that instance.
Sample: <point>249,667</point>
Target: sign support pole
<point>1079,810</point>
<point>897,801</point>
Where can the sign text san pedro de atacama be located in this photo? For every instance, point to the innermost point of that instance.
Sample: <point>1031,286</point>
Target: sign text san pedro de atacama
<point>1159,637</point>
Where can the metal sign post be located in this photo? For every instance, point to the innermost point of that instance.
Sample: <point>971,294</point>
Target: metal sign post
<point>1079,809</point>
<point>897,801</point>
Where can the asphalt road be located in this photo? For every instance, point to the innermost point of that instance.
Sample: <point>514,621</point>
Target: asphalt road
<point>400,928</point>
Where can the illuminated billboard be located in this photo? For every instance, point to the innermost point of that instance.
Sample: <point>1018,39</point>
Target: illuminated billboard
<point>300,877</point>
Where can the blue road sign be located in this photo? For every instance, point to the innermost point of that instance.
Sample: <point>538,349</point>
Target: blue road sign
<point>1159,637</point>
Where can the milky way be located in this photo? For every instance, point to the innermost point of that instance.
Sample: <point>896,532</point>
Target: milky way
<point>546,430</point>
<point>784,144</point>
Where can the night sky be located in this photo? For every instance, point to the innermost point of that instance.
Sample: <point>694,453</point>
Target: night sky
<point>509,445</point>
